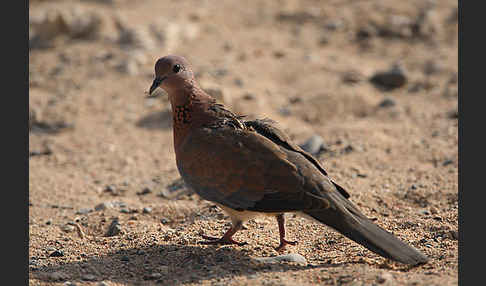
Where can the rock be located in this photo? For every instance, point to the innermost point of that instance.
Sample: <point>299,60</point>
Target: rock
<point>298,17</point>
<point>114,228</point>
<point>52,24</point>
<point>314,145</point>
<point>453,114</point>
<point>238,82</point>
<point>109,205</point>
<point>173,34</point>
<point>153,276</point>
<point>88,277</point>
<point>146,210</point>
<point>396,26</point>
<point>174,190</point>
<point>427,24</point>
<point>365,33</point>
<point>84,24</point>
<point>144,191</point>
<point>432,67</point>
<point>348,149</point>
<point>454,234</point>
<point>84,211</point>
<point>292,257</point>
<point>453,16</point>
<point>56,253</point>
<point>284,111</point>
<point>334,25</point>
<point>103,206</point>
<point>389,80</point>
<point>351,77</point>
<point>128,66</point>
<point>133,38</point>
<point>385,279</point>
<point>68,228</point>
<point>447,162</point>
<point>163,269</point>
<point>57,276</point>
<point>387,102</point>
<point>114,191</point>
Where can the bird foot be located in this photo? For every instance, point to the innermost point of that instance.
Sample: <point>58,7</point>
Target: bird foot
<point>222,240</point>
<point>283,244</point>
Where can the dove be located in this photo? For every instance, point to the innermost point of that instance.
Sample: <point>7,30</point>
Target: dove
<point>252,167</point>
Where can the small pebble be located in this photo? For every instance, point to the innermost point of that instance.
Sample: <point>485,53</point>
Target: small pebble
<point>114,229</point>
<point>348,149</point>
<point>351,77</point>
<point>84,211</point>
<point>453,114</point>
<point>447,162</point>
<point>385,278</point>
<point>164,220</point>
<point>88,277</point>
<point>454,234</point>
<point>109,189</point>
<point>57,275</point>
<point>238,82</point>
<point>109,205</point>
<point>67,228</point>
<point>153,276</point>
<point>314,145</point>
<point>164,269</point>
<point>387,102</point>
<point>147,210</point>
<point>144,192</point>
<point>56,253</point>
<point>391,79</point>
<point>284,111</point>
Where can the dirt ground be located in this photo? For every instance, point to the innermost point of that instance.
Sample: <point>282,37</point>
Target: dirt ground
<point>106,206</point>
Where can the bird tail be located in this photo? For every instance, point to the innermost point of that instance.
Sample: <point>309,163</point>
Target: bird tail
<point>362,230</point>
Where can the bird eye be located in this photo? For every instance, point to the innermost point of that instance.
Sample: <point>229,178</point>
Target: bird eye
<point>176,68</point>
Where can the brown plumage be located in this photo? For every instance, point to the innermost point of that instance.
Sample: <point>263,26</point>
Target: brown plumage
<point>252,167</point>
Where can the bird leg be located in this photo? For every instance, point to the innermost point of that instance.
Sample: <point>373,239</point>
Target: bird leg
<point>281,229</point>
<point>227,237</point>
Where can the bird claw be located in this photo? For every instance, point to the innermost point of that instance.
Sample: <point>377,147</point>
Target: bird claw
<point>283,244</point>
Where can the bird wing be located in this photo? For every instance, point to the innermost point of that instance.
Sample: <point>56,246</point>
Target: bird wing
<point>268,128</point>
<point>245,170</point>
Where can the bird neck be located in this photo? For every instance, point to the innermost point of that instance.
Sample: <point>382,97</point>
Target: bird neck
<point>189,110</point>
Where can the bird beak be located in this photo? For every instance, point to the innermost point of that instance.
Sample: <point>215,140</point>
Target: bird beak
<point>155,84</point>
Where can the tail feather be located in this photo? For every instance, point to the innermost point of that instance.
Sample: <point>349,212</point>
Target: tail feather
<point>363,231</point>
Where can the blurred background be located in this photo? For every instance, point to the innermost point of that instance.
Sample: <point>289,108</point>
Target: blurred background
<point>368,86</point>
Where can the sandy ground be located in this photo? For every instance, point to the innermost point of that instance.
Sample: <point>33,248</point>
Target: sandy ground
<point>105,204</point>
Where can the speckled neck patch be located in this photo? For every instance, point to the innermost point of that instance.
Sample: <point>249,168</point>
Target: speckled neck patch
<point>182,114</point>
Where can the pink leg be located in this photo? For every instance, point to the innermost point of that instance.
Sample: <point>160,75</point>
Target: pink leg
<point>281,229</point>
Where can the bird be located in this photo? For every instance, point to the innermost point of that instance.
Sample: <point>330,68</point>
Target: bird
<point>252,167</point>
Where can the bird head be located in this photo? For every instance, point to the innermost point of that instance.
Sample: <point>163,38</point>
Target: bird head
<point>171,73</point>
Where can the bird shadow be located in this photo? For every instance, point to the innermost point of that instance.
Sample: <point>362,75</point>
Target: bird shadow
<point>166,264</point>
<point>158,120</point>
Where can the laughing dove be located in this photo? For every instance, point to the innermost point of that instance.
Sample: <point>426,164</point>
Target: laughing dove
<point>251,167</point>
